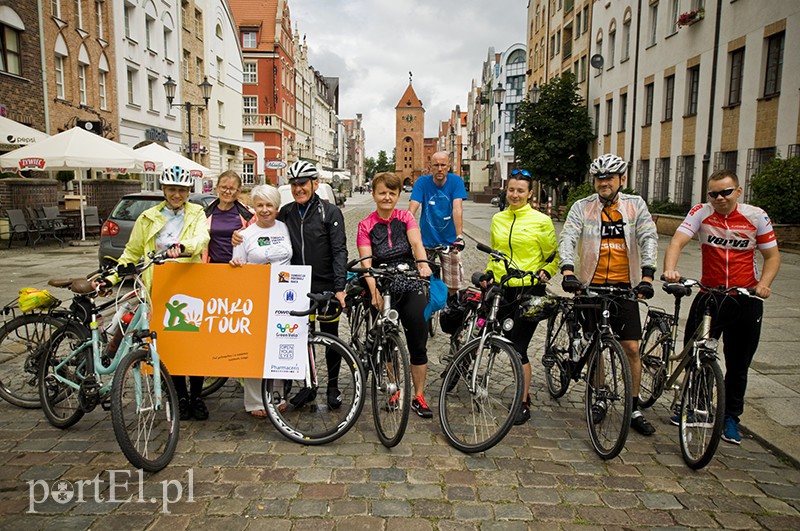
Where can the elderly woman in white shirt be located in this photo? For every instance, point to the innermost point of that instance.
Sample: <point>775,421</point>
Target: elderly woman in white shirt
<point>265,242</point>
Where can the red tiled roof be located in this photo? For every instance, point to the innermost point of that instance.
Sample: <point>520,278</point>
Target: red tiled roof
<point>256,13</point>
<point>409,99</point>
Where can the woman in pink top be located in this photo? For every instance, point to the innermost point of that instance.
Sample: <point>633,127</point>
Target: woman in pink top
<point>391,236</point>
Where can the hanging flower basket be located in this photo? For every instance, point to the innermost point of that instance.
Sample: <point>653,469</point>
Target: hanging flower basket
<point>690,17</point>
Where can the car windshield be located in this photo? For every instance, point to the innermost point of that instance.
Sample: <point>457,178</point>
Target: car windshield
<point>129,209</point>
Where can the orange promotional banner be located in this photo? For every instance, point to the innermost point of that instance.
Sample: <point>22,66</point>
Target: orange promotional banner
<point>213,319</point>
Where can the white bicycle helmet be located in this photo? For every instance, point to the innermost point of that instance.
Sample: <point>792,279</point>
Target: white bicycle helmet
<point>176,176</point>
<point>302,169</point>
<point>608,164</point>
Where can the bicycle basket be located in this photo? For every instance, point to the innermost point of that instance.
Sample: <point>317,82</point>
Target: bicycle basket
<point>31,299</point>
<point>538,308</point>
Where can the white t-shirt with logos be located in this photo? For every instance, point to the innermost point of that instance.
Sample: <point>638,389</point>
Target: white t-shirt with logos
<point>264,246</point>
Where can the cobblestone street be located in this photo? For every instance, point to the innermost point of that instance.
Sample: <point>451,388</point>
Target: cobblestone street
<point>237,472</point>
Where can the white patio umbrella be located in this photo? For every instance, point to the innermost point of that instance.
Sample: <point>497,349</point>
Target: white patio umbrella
<point>77,149</point>
<point>156,152</point>
<point>14,134</point>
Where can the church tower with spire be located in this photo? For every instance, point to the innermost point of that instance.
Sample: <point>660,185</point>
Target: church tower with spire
<point>409,136</point>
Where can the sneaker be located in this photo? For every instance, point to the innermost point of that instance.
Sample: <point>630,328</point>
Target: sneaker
<point>199,409</point>
<point>523,415</point>
<point>730,431</point>
<point>184,411</point>
<point>303,397</point>
<point>420,407</point>
<point>334,398</point>
<point>599,411</point>
<point>640,424</point>
<point>675,420</point>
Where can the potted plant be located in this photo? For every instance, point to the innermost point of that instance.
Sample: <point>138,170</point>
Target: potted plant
<point>690,17</point>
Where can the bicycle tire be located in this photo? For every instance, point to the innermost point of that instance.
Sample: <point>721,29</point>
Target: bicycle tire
<point>460,337</point>
<point>212,384</point>
<point>433,323</point>
<point>148,435</point>
<point>61,402</point>
<point>391,391</point>
<point>23,340</point>
<point>654,354</point>
<point>556,353</point>
<point>608,381</point>
<point>307,418</point>
<point>702,413</point>
<point>359,321</point>
<point>474,420</point>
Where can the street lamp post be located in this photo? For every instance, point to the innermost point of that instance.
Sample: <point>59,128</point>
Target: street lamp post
<point>169,88</point>
<point>499,95</point>
<point>533,95</point>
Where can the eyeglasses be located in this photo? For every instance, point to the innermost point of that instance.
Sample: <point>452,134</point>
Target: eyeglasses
<point>724,193</point>
<point>228,190</point>
<point>522,174</point>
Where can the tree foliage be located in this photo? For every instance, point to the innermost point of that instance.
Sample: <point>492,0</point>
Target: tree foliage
<point>776,189</point>
<point>552,136</point>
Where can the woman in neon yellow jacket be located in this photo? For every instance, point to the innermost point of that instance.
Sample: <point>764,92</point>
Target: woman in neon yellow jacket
<point>528,238</point>
<point>173,225</point>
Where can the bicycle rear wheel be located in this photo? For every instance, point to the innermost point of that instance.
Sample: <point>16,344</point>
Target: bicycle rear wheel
<point>702,413</point>
<point>212,384</point>
<point>145,422</point>
<point>476,417</point>
<point>391,391</point>
<point>556,353</point>
<point>654,353</point>
<point>61,373</point>
<point>608,398</point>
<point>300,411</point>
<point>22,344</point>
<point>433,324</point>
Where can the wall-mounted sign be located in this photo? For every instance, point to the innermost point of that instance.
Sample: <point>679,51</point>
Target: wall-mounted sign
<point>156,135</point>
<point>275,164</point>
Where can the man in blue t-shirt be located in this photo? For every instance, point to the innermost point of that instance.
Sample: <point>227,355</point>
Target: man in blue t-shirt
<point>439,196</point>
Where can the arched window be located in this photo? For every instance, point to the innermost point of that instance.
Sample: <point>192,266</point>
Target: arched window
<point>168,26</point>
<point>61,60</point>
<point>11,28</point>
<point>612,41</point>
<point>83,69</point>
<point>102,82</point>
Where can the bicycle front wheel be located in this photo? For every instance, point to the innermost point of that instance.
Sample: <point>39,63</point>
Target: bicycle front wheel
<point>654,353</point>
<point>608,398</point>
<point>485,394</point>
<point>62,370</point>
<point>556,353</point>
<point>391,391</point>
<point>324,407</point>
<point>212,384</point>
<point>22,344</point>
<point>702,413</point>
<point>145,421</point>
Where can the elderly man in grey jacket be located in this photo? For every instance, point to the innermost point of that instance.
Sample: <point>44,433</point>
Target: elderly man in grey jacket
<point>616,243</point>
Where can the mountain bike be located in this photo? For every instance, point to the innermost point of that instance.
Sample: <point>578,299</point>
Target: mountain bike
<point>483,385</point>
<point>298,408</point>
<point>595,357</point>
<point>699,400</point>
<point>379,340</point>
<point>78,372</point>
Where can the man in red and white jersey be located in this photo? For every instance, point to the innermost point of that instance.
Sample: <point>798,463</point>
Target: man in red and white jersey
<point>729,235</point>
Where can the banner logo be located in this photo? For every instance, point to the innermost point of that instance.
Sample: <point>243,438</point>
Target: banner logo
<point>184,314</point>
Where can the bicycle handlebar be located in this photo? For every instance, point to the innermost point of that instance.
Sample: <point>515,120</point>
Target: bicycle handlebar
<point>722,290</point>
<point>317,299</point>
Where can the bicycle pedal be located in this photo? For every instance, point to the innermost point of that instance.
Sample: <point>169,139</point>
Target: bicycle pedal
<point>106,404</point>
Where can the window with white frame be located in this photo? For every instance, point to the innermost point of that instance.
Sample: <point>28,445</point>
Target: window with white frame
<point>149,28</point>
<point>186,60</point>
<point>98,12</point>
<point>167,37</point>
<point>131,86</point>
<point>55,8</point>
<point>199,70</point>
<point>652,28</point>
<point>127,14</point>
<point>151,94</point>
<point>674,13</point>
<point>626,40</point>
<point>250,73</point>
<point>102,83</point>
<point>249,39</point>
<point>82,84</point>
<point>10,50</point>
<point>221,114</point>
<point>218,31</point>
<point>59,68</point>
<point>78,14</point>
<point>220,71</point>
<point>198,29</point>
<point>612,45</point>
<point>248,173</point>
<point>250,104</point>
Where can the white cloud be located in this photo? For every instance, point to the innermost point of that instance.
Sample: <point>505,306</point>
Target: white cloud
<point>371,45</point>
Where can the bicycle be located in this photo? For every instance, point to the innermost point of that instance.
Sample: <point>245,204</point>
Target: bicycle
<point>567,352</point>
<point>435,255</point>
<point>379,340</point>
<point>699,401</point>
<point>78,372</point>
<point>483,385</point>
<point>302,418</point>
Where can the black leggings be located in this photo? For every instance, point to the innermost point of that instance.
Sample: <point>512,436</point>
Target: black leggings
<point>411,307</point>
<point>195,382</point>
<point>738,321</point>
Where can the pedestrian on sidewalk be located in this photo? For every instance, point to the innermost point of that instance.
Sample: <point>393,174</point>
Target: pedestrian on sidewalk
<point>729,234</point>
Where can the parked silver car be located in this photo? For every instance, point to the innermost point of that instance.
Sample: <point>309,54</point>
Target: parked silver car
<point>117,228</point>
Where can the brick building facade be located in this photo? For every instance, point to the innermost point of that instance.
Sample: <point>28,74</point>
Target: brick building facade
<point>409,136</point>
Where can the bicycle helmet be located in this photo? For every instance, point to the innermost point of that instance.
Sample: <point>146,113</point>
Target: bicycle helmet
<point>301,171</point>
<point>607,165</point>
<point>176,176</point>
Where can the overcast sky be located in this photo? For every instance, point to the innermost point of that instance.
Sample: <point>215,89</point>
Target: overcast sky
<point>371,45</point>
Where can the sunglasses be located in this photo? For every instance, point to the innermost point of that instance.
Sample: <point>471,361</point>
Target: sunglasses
<point>522,174</point>
<point>724,193</point>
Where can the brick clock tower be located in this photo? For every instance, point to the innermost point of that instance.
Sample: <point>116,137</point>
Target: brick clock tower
<point>409,136</point>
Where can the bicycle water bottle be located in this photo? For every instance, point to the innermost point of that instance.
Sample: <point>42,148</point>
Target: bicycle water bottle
<point>123,316</point>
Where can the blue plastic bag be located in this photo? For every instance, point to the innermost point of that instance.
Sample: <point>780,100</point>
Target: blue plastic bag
<point>437,298</point>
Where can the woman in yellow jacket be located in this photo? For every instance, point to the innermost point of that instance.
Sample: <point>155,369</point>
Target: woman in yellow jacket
<point>174,225</point>
<point>528,238</point>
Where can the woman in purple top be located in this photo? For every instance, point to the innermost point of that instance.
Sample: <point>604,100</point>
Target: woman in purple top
<point>225,215</point>
<point>391,236</point>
